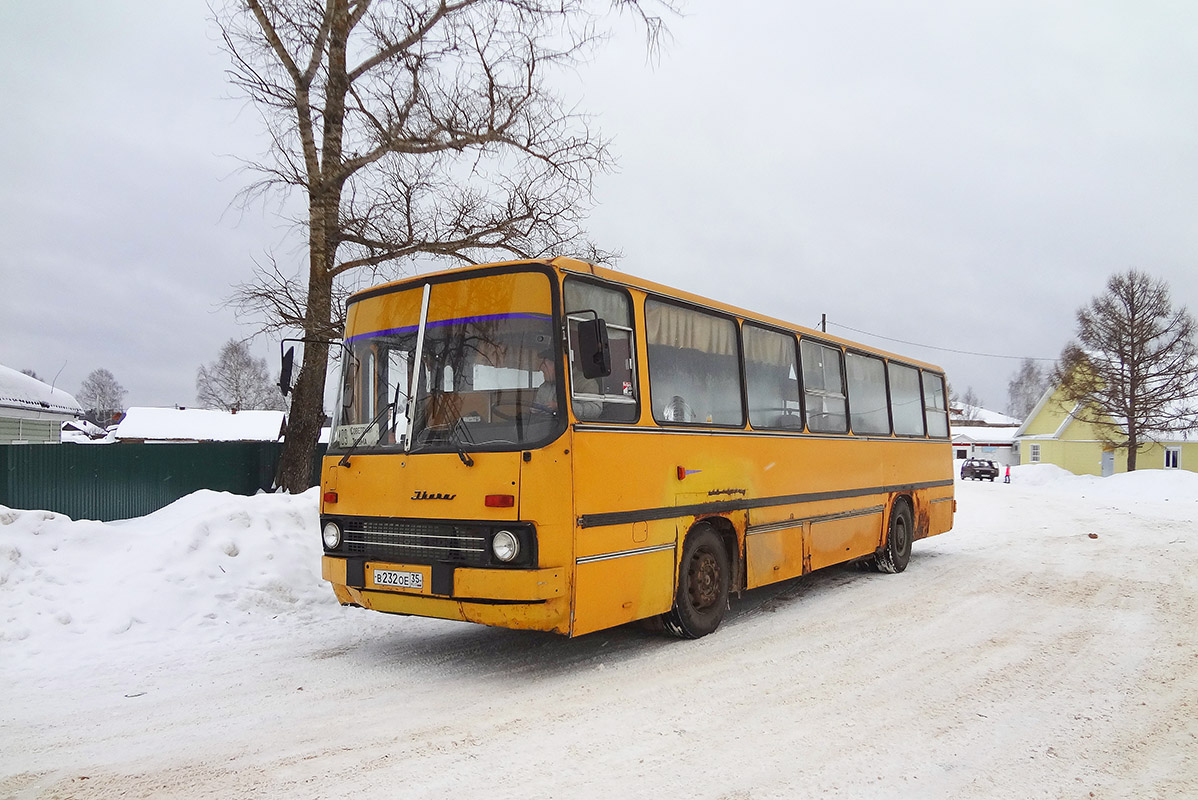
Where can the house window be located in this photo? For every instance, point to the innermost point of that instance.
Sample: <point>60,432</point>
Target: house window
<point>1172,458</point>
<point>1035,456</point>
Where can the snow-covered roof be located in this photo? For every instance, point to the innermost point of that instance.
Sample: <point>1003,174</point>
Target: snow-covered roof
<point>18,390</point>
<point>961,412</point>
<point>1184,408</point>
<point>199,425</point>
<point>989,434</point>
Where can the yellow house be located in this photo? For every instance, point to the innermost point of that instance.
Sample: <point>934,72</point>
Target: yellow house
<point>1052,434</point>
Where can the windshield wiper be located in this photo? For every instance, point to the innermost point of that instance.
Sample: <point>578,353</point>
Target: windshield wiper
<point>448,433</point>
<point>456,442</point>
<point>344,462</point>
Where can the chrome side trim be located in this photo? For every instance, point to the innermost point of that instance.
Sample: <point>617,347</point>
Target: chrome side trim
<point>770,527</point>
<point>641,551</point>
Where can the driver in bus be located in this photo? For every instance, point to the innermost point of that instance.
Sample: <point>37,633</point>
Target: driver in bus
<point>545,400</point>
<point>546,397</point>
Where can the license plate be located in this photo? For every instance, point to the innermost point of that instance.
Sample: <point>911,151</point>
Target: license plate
<point>400,580</point>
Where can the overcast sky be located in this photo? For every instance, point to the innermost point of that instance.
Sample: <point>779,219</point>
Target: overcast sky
<point>957,175</point>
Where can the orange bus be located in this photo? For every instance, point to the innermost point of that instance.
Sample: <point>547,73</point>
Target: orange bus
<point>555,446</point>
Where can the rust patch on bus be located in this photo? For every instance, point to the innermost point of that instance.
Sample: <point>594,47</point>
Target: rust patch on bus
<point>923,520</point>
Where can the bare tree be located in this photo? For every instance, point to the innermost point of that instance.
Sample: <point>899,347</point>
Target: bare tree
<point>31,374</point>
<point>414,129</point>
<point>102,396</point>
<point>963,406</point>
<point>1025,388</point>
<point>237,381</point>
<point>1133,371</point>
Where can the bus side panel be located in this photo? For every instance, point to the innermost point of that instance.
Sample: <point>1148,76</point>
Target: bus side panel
<point>838,540</point>
<point>938,512</point>
<point>621,590</point>
<point>773,556</point>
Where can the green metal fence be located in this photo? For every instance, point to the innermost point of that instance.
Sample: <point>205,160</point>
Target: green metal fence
<point>119,481</point>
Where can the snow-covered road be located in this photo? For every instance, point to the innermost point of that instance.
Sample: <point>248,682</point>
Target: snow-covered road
<point>1045,647</point>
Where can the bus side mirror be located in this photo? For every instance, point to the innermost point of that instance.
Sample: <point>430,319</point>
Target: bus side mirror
<point>594,349</point>
<point>285,374</point>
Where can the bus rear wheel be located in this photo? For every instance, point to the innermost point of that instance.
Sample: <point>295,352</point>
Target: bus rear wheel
<point>704,580</point>
<point>893,557</point>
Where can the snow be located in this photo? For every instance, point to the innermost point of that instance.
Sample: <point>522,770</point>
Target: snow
<point>199,424</point>
<point>21,391</point>
<point>1043,648</point>
<point>983,433</point>
<point>964,412</point>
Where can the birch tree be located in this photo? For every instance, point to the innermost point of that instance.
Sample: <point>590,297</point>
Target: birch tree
<point>237,380</point>
<point>1025,388</point>
<point>102,395</point>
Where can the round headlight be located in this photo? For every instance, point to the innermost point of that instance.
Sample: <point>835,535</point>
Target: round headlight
<point>505,546</point>
<point>332,535</point>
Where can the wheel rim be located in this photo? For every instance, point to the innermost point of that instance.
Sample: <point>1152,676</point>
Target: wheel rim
<point>902,538</point>
<point>703,580</point>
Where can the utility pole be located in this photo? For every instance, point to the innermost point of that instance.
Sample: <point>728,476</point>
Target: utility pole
<point>823,322</point>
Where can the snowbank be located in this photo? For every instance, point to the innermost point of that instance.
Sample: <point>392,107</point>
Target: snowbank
<point>211,559</point>
<point>1124,489</point>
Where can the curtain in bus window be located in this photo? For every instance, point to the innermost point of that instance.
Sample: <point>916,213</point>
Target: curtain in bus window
<point>905,402</point>
<point>773,379</point>
<point>867,394</point>
<point>612,398</point>
<point>611,305</point>
<point>694,371</point>
<point>934,405</point>
<point>822,388</point>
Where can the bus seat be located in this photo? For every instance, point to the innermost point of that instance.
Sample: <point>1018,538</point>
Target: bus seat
<point>788,421</point>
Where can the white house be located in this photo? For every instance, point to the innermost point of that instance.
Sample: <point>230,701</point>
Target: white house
<point>980,433</point>
<point>32,411</point>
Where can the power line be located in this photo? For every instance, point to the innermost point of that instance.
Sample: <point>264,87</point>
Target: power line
<point>934,347</point>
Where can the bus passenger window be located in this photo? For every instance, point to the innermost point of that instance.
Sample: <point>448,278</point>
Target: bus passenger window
<point>771,369</point>
<point>867,394</point>
<point>823,388</point>
<point>694,368</point>
<point>934,405</point>
<point>905,402</point>
<point>612,398</point>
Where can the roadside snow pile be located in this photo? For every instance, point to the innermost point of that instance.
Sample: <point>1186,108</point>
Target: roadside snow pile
<point>210,559</point>
<point>1125,490</point>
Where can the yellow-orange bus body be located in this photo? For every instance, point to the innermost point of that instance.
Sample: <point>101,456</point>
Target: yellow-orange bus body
<point>611,504</point>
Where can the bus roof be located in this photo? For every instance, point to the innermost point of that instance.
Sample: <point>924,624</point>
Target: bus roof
<point>574,266</point>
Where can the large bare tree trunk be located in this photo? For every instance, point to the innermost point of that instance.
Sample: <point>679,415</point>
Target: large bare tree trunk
<point>417,129</point>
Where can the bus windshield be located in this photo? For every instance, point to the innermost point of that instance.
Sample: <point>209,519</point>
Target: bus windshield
<point>486,380</point>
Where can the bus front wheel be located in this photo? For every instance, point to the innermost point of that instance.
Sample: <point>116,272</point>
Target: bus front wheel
<point>704,580</point>
<point>894,556</point>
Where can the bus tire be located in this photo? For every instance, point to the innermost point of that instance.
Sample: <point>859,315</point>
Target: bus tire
<point>893,557</point>
<point>704,580</point>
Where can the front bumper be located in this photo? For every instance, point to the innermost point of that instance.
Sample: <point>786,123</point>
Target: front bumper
<point>535,599</point>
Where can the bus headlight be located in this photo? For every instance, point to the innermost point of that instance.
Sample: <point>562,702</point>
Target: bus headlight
<point>505,546</point>
<point>332,535</point>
